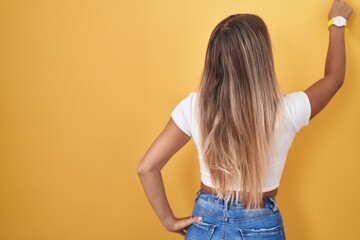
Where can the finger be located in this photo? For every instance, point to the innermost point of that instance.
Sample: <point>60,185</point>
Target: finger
<point>181,232</point>
<point>188,221</point>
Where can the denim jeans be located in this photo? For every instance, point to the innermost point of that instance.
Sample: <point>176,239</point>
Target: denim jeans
<point>230,221</point>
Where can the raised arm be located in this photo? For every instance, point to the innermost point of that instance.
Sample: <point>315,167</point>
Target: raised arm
<point>322,91</point>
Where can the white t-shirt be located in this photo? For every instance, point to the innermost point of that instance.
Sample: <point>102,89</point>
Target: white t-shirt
<point>296,115</point>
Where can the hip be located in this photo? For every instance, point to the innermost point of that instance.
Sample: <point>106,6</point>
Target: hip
<point>225,220</point>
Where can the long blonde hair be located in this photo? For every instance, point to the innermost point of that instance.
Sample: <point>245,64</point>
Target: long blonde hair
<point>239,101</point>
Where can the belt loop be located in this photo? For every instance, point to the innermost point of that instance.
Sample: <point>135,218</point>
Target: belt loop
<point>197,194</point>
<point>226,205</point>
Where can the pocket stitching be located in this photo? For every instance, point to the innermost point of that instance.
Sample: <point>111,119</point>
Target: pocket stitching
<point>205,225</point>
<point>250,231</point>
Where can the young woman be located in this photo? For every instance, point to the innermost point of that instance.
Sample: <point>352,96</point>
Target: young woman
<point>242,127</point>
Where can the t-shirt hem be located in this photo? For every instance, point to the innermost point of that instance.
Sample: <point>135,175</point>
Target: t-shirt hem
<point>179,125</point>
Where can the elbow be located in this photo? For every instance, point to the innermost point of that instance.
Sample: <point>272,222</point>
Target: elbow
<point>144,169</point>
<point>141,169</point>
<point>337,81</point>
<point>341,83</point>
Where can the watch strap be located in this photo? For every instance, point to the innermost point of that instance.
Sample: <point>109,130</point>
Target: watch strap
<point>331,22</point>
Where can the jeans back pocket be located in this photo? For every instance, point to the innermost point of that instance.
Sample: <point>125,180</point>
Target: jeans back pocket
<point>200,230</point>
<point>274,233</point>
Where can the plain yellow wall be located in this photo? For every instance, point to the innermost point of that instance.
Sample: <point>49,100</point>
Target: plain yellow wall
<point>86,86</point>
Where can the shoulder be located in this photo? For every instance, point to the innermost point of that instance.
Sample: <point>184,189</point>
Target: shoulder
<point>297,108</point>
<point>182,114</point>
<point>296,96</point>
<point>192,96</point>
<point>296,101</point>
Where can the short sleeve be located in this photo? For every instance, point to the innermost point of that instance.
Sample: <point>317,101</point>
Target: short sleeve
<point>181,115</point>
<point>299,108</point>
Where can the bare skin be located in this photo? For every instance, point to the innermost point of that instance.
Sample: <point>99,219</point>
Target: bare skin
<point>268,194</point>
<point>172,139</point>
<point>322,91</point>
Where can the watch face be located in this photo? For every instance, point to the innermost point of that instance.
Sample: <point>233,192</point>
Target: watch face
<point>339,21</point>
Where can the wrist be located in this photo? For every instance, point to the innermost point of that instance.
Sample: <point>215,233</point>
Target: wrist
<point>337,22</point>
<point>333,28</point>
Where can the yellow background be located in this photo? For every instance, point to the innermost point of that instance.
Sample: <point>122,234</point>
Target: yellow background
<point>86,86</point>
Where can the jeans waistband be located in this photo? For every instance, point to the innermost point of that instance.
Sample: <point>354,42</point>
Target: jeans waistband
<point>209,197</point>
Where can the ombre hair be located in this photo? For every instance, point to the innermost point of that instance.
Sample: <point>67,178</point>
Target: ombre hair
<point>238,100</point>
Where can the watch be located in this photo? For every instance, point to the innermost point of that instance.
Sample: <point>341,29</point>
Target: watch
<point>338,21</point>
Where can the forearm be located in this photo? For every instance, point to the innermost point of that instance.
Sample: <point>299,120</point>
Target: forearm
<point>336,57</point>
<point>153,185</point>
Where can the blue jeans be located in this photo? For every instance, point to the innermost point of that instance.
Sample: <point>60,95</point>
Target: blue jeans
<point>226,221</point>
